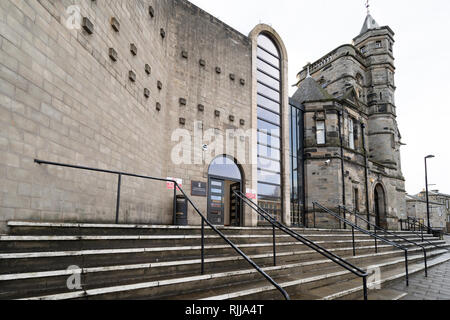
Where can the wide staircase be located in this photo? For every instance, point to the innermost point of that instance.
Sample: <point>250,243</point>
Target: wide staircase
<point>91,261</point>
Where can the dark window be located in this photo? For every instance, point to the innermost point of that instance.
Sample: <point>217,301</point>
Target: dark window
<point>269,126</point>
<point>296,159</point>
<point>356,199</point>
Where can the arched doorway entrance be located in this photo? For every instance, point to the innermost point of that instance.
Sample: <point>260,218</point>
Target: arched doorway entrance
<point>224,177</point>
<point>380,207</point>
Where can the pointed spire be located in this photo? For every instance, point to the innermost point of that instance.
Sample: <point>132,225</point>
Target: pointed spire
<point>369,23</point>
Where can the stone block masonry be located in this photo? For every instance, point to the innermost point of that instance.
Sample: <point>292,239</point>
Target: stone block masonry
<point>63,99</point>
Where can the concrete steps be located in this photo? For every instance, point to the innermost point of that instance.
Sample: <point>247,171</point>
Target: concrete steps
<point>163,262</point>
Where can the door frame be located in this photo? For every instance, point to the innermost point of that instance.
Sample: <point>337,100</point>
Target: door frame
<point>224,179</point>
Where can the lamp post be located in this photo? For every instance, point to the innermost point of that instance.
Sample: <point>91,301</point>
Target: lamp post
<point>428,198</point>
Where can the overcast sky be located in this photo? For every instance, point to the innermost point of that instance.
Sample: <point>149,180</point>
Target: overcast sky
<point>311,29</point>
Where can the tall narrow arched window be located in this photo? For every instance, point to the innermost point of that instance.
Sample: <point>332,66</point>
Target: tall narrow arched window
<point>269,125</point>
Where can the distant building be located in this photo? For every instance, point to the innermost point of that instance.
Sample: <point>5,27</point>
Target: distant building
<point>439,198</point>
<point>416,207</point>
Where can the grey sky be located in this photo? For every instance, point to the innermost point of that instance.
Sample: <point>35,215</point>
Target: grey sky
<point>311,29</point>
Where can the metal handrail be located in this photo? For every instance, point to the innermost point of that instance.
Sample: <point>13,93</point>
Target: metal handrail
<point>391,234</point>
<point>422,226</point>
<point>324,252</point>
<point>204,220</point>
<point>375,236</point>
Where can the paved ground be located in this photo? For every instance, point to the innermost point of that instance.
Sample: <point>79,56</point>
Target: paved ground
<point>435,287</point>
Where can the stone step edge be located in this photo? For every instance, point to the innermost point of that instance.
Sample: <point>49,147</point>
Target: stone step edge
<point>297,282</point>
<point>8,238</point>
<point>411,271</point>
<point>146,285</point>
<point>56,273</point>
<point>149,226</point>
<point>53,254</point>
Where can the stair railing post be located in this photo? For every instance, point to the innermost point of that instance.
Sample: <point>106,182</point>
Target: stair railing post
<point>174,204</point>
<point>353,237</point>
<point>340,222</point>
<point>345,218</point>
<point>426,263</point>
<point>365,288</point>
<point>356,218</point>
<point>314,214</point>
<point>406,268</point>
<point>422,234</point>
<point>119,185</point>
<point>274,247</point>
<point>203,247</point>
<point>376,242</point>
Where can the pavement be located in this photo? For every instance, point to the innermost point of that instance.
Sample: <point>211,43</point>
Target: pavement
<point>435,287</point>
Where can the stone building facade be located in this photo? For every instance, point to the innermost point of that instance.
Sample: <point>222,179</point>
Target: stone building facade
<point>164,89</point>
<point>352,140</point>
<point>118,86</point>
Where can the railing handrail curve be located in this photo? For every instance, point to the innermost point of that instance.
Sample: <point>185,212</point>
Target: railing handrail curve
<point>324,252</point>
<point>177,186</point>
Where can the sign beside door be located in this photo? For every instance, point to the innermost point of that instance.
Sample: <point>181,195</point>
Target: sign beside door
<point>198,189</point>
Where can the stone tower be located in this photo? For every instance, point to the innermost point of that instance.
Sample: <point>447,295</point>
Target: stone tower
<point>376,43</point>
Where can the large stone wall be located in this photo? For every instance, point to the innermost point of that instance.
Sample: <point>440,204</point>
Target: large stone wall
<point>63,99</point>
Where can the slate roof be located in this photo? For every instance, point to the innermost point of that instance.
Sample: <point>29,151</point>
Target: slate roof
<point>310,90</point>
<point>369,24</point>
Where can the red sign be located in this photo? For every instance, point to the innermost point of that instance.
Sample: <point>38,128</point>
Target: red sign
<point>171,185</point>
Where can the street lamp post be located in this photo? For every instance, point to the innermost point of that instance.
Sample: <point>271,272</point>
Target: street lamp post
<point>427,195</point>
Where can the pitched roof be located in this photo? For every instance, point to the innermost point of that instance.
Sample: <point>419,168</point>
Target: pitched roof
<point>369,24</point>
<point>310,90</point>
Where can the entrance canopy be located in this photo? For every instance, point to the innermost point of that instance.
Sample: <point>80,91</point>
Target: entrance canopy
<point>226,168</point>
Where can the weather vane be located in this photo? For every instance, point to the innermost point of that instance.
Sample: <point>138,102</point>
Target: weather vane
<point>368,6</point>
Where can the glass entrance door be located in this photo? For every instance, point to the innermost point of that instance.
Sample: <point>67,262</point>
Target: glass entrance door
<point>216,202</point>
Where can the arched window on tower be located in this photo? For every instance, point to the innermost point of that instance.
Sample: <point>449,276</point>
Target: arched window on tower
<point>269,101</point>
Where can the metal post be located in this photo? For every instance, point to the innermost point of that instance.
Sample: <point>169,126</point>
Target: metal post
<point>406,267</point>
<point>174,204</point>
<point>314,214</point>
<point>376,242</point>
<point>203,246</point>
<point>119,185</point>
<point>427,195</point>
<point>353,237</point>
<point>340,222</point>
<point>274,248</point>
<point>365,288</point>
<point>426,263</point>
<point>345,218</point>
<point>356,218</point>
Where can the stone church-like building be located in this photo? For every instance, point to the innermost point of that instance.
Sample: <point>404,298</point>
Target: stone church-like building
<point>352,141</point>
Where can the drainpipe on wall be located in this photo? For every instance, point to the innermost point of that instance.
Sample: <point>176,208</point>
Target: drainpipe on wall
<point>366,171</point>
<point>340,114</point>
